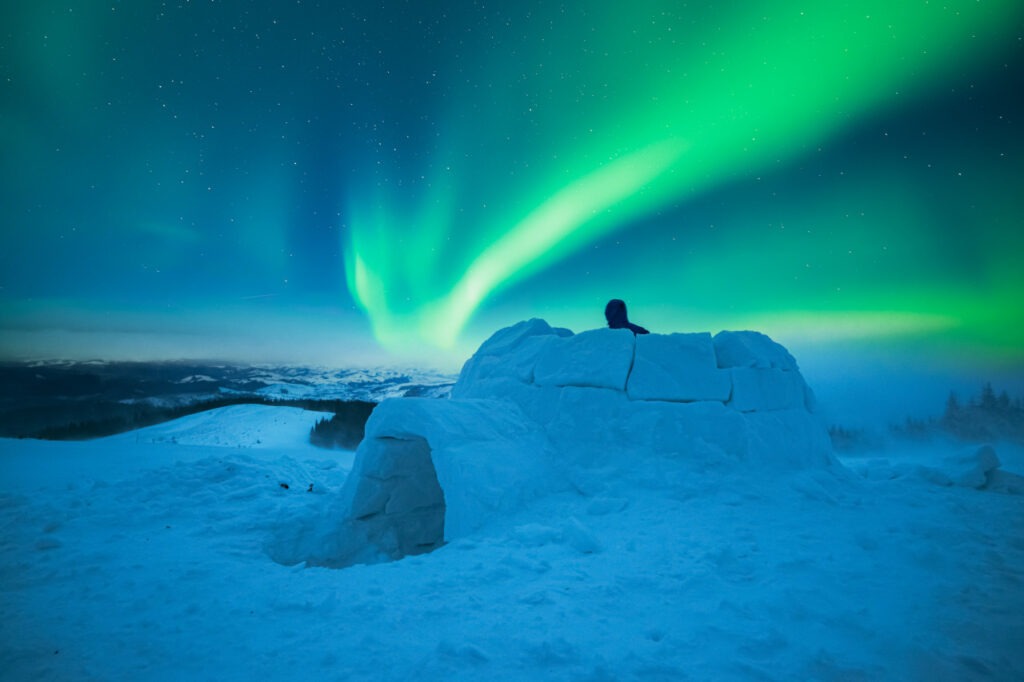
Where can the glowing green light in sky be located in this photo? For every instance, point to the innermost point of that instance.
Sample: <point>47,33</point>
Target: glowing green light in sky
<point>627,112</point>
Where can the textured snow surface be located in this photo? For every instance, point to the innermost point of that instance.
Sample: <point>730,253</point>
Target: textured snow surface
<point>140,558</point>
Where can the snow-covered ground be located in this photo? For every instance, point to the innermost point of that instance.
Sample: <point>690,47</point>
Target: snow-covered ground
<point>147,556</point>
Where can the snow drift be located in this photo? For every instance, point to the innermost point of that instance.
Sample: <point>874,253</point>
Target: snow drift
<point>539,410</point>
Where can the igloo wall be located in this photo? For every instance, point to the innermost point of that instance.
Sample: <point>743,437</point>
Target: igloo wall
<point>539,410</point>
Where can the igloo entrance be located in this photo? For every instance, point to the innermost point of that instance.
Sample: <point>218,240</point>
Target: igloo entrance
<point>398,504</point>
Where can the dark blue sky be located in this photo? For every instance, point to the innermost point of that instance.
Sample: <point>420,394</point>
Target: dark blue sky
<point>204,179</point>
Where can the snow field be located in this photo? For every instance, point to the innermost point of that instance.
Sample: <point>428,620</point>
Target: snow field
<point>164,571</point>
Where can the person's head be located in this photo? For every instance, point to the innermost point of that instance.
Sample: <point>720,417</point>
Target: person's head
<point>615,312</point>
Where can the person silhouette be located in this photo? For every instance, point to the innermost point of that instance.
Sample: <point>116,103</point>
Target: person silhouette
<point>615,313</point>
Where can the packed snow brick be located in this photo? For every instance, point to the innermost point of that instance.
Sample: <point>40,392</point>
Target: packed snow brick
<point>678,368</point>
<point>973,467</point>
<point>787,439</point>
<point>399,501</point>
<point>604,418</point>
<point>599,358</point>
<point>766,389</point>
<point>751,349</point>
<point>509,353</point>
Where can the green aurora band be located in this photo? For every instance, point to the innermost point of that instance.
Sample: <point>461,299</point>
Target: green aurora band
<point>605,119</point>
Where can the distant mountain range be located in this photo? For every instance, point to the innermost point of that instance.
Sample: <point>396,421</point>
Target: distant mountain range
<point>43,399</point>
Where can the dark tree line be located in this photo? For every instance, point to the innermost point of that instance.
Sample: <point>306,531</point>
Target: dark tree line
<point>985,416</point>
<point>345,429</point>
<point>82,420</point>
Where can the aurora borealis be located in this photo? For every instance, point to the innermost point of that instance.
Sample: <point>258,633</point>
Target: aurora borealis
<point>407,177</point>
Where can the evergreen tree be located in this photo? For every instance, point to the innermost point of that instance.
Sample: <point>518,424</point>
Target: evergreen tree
<point>988,397</point>
<point>952,407</point>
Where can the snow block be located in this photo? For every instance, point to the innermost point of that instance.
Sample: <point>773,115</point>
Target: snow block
<point>536,402</point>
<point>678,368</point>
<point>792,439</point>
<point>704,434</point>
<point>599,358</point>
<point>509,353</point>
<point>506,342</point>
<point>601,418</point>
<point>401,512</point>
<point>972,467</point>
<point>589,415</point>
<point>751,349</point>
<point>766,389</point>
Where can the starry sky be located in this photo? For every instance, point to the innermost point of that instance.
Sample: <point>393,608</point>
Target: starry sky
<point>354,182</point>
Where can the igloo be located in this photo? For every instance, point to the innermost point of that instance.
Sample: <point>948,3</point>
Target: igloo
<point>538,410</point>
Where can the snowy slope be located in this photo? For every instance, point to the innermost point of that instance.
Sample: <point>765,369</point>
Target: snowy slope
<point>238,426</point>
<point>140,558</point>
<point>281,431</point>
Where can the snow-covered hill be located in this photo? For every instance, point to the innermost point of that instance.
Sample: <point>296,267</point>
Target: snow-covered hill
<point>151,556</point>
<point>237,426</point>
<point>270,433</point>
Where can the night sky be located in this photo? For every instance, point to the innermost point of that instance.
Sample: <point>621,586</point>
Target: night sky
<point>351,182</point>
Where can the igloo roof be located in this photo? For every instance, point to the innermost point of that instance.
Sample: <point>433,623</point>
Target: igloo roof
<point>745,370</point>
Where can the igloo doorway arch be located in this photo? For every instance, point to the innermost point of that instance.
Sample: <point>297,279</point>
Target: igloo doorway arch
<point>397,502</point>
<point>430,471</point>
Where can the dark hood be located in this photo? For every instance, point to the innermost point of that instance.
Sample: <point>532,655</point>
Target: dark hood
<point>615,313</point>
